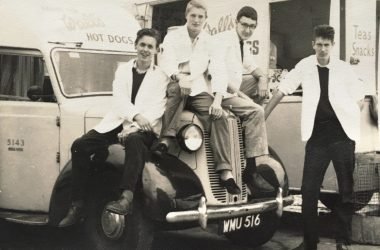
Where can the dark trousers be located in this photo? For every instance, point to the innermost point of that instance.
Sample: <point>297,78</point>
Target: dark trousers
<point>324,146</point>
<point>94,145</point>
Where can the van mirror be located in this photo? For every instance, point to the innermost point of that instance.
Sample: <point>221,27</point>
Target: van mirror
<point>34,92</point>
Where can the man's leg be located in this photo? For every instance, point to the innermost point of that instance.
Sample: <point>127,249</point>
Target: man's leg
<point>316,163</point>
<point>218,132</point>
<point>252,117</point>
<point>249,86</point>
<point>174,106</point>
<point>136,154</point>
<point>343,157</point>
<point>217,129</point>
<point>83,148</point>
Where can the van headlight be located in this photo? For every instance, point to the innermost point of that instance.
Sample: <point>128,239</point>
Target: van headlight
<point>190,137</point>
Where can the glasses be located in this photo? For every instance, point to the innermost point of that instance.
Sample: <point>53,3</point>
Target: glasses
<point>250,26</point>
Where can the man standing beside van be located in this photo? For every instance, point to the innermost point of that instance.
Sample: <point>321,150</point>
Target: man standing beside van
<point>135,120</point>
<point>330,124</point>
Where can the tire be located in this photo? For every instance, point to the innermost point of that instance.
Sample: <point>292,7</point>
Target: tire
<point>133,231</point>
<point>257,236</point>
<point>361,199</point>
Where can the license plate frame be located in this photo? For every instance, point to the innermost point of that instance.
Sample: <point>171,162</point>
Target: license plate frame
<point>239,223</point>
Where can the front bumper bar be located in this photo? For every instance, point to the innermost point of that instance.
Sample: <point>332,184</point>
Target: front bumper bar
<point>203,214</point>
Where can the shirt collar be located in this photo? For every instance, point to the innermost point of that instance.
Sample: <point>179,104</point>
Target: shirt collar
<point>236,37</point>
<point>330,65</point>
<point>151,67</point>
<point>185,33</point>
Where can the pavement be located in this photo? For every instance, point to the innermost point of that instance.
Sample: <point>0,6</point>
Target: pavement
<point>288,236</point>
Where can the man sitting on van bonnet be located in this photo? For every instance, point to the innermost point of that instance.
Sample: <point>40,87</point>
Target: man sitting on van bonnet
<point>330,124</point>
<point>232,53</point>
<point>186,59</point>
<point>135,119</point>
<point>239,59</point>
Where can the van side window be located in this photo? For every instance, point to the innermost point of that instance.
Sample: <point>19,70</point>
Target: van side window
<point>17,74</point>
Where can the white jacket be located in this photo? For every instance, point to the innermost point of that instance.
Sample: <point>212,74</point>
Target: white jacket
<point>150,99</point>
<point>345,90</point>
<point>177,48</point>
<point>228,52</point>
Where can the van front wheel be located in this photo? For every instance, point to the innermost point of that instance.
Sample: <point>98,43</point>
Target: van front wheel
<point>106,230</point>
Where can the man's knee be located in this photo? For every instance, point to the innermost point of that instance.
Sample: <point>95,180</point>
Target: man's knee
<point>173,90</point>
<point>133,139</point>
<point>78,146</point>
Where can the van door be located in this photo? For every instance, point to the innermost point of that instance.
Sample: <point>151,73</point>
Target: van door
<point>29,134</point>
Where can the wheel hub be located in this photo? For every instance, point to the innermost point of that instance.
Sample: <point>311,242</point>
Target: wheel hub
<point>112,224</point>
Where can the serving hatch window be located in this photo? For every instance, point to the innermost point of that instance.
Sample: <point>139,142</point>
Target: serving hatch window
<point>291,26</point>
<point>87,73</point>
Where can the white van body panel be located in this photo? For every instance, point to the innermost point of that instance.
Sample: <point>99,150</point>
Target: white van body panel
<point>36,136</point>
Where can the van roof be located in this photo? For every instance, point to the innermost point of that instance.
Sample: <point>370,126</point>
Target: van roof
<point>93,24</point>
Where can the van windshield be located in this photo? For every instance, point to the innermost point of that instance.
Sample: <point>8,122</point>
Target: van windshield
<point>86,73</point>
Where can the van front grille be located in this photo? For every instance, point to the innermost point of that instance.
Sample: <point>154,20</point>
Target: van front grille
<point>237,161</point>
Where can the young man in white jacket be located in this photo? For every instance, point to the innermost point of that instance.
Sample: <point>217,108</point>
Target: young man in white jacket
<point>196,78</point>
<point>234,55</point>
<point>330,123</point>
<point>135,121</point>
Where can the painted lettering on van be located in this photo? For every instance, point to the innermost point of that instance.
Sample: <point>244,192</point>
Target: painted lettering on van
<point>361,44</point>
<point>225,23</point>
<point>254,46</point>
<point>98,37</point>
<point>82,22</point>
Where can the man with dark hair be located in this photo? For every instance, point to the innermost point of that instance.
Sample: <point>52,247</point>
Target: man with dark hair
<point>330,124</point>
<point>135,121</point>
<point>234,55</point>
<point>239,58</point>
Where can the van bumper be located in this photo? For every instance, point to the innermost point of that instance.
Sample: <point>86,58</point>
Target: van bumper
<point>203,213</point>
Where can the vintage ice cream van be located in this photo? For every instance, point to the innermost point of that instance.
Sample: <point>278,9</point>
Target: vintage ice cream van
<point>57,64</point>
<point>282,38</point>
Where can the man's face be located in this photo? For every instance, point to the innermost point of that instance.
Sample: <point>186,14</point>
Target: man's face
<point>195,19</point>
<point>245,27</point>
<point>322,48</point>
<point>146,49</point>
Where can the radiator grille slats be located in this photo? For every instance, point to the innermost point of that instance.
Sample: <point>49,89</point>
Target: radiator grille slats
<point>238,160</point>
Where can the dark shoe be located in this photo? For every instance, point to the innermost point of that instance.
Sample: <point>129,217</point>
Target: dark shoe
<point>303,246</point>
<point>73,216</point>
<point>160,148</point>
<point>342,246</point>
<point>230,185</point>
<point>121,206</point>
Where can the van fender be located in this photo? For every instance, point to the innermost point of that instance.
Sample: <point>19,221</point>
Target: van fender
<point>163,180</point>
<point>169,184</point>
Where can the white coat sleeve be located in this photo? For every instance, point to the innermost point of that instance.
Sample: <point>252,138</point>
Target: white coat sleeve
<point>168,61</point>
<point>217,67</point>
<point>291,81</point>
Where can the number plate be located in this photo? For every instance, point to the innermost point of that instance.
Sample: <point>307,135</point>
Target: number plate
<point>239,223</point>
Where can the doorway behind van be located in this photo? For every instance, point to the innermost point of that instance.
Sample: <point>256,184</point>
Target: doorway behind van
<point>168,15</point>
